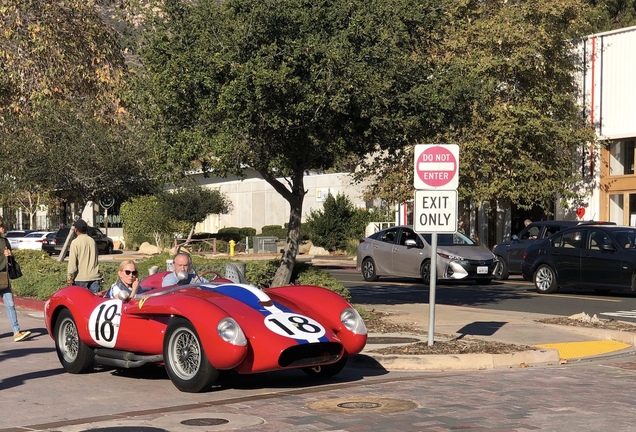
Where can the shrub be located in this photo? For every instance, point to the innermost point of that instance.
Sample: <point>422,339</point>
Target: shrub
<point>274,231</point>
<point>331,227</point>
<point>43,275</point>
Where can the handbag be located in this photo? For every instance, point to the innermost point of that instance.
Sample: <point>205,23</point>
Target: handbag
<point>13,268</point>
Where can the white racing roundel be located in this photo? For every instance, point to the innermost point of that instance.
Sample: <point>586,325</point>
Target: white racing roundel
<point>103,324</point>
<point>294,326</point>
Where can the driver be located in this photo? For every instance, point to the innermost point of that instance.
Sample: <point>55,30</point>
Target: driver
<point>183,273</point>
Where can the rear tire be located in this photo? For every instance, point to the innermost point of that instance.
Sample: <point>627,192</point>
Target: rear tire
<point>368,270</point>
<point>76,357</point>
<point>186,363</point>
<point>545,280</point>
<point>501,271</point>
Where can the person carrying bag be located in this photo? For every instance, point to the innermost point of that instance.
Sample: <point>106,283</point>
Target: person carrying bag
<point>14,269</point>
<point>5,285</point>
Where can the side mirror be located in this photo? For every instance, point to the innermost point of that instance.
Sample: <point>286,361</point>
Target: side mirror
<point>123,295</point>
<point>410,242</point>
<point>515,237</point>
<point>607,247</point>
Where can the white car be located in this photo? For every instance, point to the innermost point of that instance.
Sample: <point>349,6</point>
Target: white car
<point>15,236</point>
<point>33,240</point>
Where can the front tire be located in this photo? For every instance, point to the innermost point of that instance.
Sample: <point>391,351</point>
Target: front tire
<point>326,371</point>
<point>76,357</point>
<point>545,280</point>
<point>425,272</point>
<point>501,271</point>
<point>368,270</point>
<point>186,363</point>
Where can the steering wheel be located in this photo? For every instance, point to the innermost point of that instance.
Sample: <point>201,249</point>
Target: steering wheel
<point>206,272</point>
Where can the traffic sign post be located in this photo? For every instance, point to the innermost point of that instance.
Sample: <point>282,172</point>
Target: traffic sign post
<point>436,178</point>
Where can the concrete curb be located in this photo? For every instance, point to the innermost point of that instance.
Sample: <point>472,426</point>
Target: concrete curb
<point>442,362</point>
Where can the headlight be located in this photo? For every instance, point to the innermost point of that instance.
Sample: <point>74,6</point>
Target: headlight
<point>450,257</point>
<point>231,332</point>
<point>352,321</point>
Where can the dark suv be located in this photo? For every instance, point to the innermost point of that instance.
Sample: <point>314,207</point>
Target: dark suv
<point>54,246</point>
<point>510,254</point>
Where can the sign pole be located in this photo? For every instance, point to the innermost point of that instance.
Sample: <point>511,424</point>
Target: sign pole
<point>431,292</point>
<point>435,179</point>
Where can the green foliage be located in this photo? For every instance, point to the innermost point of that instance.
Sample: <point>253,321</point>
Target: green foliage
<point>142,218</point>
<point>319,277</point>
<point>519,139</point>
<point>193,204</point>
<point>274,231</point>
<point>44,275</point>
<point>337,223</point>
<point>285,87</point>
<point>605,15</point>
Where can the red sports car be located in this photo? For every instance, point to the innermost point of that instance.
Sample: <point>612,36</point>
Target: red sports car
<point>197,330</point>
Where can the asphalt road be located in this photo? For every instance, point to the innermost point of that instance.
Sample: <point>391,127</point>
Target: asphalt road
<point>587,396</point>
<point>38,394</point>
<point>514,294</point>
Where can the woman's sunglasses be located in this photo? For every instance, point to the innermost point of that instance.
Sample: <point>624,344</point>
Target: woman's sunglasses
<point>129,272</point>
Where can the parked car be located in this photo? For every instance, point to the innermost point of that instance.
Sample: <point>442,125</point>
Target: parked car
<point>198,330</point>
<point>15,236</point>
<point>601,257</point>
<point>400,251</point>
<point>34,240</point>
<point>510,254</point>
<point>104,243</point>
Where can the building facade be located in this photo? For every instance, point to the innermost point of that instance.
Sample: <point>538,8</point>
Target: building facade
<point>609,89</point>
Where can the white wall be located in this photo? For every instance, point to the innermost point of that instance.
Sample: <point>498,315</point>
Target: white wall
<point>256,204</point>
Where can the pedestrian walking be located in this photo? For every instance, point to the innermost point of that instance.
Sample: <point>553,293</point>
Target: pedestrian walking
<point>5,287</point>
<point>83,264</point>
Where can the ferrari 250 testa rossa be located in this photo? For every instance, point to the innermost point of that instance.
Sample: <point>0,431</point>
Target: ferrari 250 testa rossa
<point>197,330</point>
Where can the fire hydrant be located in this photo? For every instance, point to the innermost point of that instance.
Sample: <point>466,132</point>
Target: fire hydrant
<point>232,243</point>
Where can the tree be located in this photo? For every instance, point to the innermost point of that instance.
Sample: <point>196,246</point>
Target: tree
<point>192,204</point>
<point>506,85</point>
<point>286,87</point>
<point>143,216</point>
<point>509,68</point>
<point>63,129</point>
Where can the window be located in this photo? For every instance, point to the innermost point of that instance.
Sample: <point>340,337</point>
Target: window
<point>621,157</point>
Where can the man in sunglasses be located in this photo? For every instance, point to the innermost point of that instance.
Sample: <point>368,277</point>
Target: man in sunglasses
<point>182,274</point>
<point>127,283</point>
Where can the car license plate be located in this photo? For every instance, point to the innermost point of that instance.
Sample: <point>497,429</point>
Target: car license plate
<point>482,270</point>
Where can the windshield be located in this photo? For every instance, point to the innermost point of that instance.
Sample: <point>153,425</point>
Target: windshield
<point>457,239</point>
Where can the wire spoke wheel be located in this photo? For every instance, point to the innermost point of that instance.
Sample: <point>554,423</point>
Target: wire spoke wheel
<point>69,340</point>
<point>186,363</point>
<point>185,354</point>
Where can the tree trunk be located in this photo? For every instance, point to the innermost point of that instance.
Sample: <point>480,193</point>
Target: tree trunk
<point>284,273</point>
<point>295,197</point>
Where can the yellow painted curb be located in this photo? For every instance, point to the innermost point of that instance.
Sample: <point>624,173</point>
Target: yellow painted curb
<point>569,350</point>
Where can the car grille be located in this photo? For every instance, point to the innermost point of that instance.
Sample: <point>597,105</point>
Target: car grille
<point>310,354</point>
<point>476,263</point>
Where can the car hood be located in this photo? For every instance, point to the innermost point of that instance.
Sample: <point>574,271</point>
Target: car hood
<point>468,252</point>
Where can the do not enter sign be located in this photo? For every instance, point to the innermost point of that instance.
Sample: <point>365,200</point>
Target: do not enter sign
<point>436,166</point>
